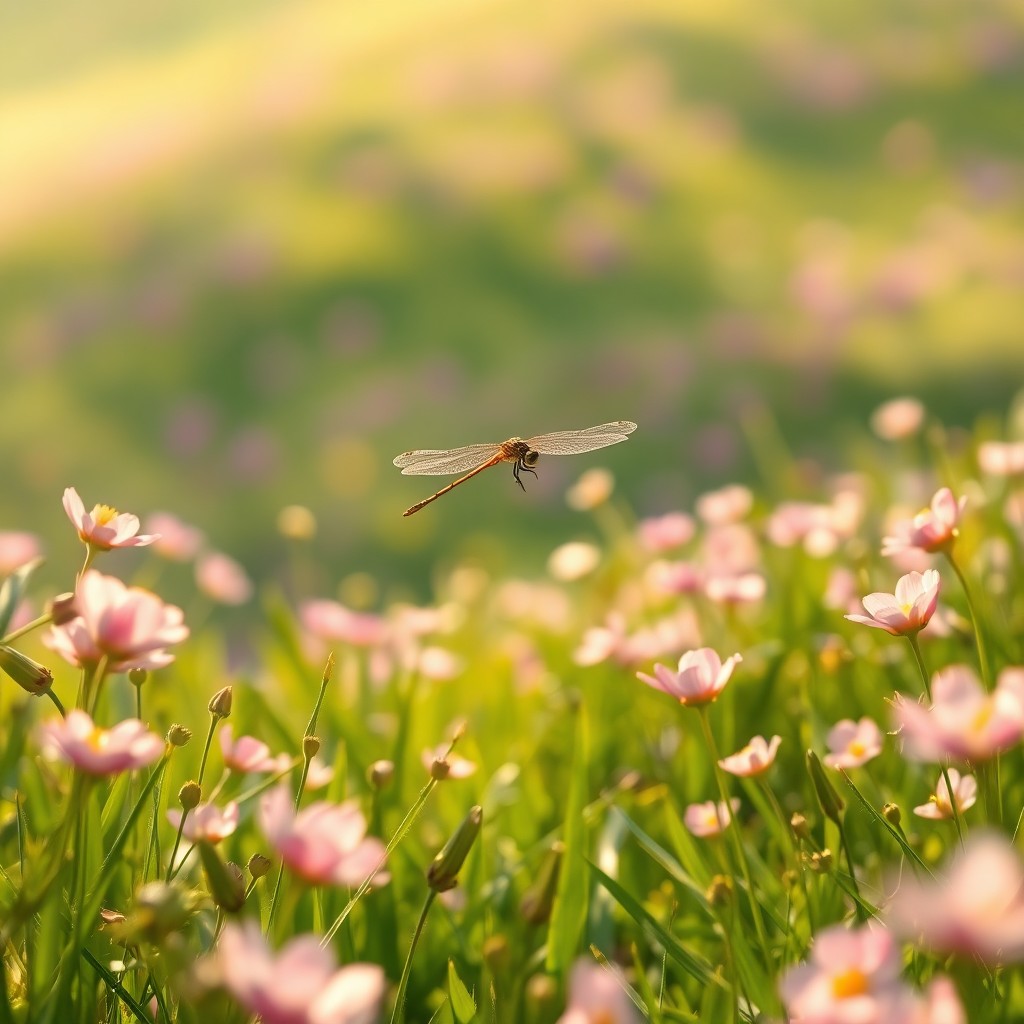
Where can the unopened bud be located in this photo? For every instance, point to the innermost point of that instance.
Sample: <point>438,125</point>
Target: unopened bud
<point>820,862</point>
<point>109,917</point>
<point>719,892</point>
<point>439,769</point>
<point>25,671</point>
<point>798,823</point>
<point>137,676</point>
<point>258,865</point>
<point>224,879</point>
<point>830,800</point>
<point>63,609</point>
<point>220,703</point>
<point>541,994</point>
<point>496,952</point>
<point>190,794</point>
<point>380,773</point>
<point>310,747</point>
<point>444,869</point>
<point>539,898</point>
<point>179,735</point>
<point>891,813</point>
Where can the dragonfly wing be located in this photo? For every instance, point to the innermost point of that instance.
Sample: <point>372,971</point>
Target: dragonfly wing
<point>575,442</point>
<point>441,463</point>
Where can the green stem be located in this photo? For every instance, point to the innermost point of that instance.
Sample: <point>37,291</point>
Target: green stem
<point>979,635</point>
<point>732,829</point>
<point>56,702</point>
<point>42,620</point>
<point>398,1014</point>
<point>214,719</point>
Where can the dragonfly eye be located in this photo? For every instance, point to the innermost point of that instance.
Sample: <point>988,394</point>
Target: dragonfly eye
<point>531,458</point>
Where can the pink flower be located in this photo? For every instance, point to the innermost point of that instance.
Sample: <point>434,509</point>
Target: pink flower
<point>324,843</point>
<point>728,504</point>
<point>128,626</point>
<point>701,676</point>
<point>710,818</point>
<point>573,561</point>
<point>593,488</point>
<point>331,621</point>
<point>998,458</point>
<point>941,1005</point>
<point>175,540</point>
<point>965,791</point>
<point>853,744</point>
<point>206,822</point>
<point>598,995</point>
<point>675,577</point>
<point>17,549</point>
<point>851,976</point>
<point>964,722</point>
<point>663,533</point>
<point>754,759</point>
<point>743,588</point>
<point>319,774</point>
<point>438,664</point>
<point>246,754</point>
<point>934,529</point>
<point>897,419</point>
<point>458,767</point>
<point>301,985</point>
<point>104,528</point>
<point>222,579</point>
<point>976,908</point>
<point>95,751</point>
<point>906,611</point>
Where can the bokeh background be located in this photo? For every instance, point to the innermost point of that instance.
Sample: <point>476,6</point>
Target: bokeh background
<point>251,251</point>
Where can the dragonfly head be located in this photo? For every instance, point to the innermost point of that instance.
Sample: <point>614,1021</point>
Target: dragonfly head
<point>531,458</point>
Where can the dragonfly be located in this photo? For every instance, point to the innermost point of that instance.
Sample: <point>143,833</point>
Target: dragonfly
<point>523,455</point>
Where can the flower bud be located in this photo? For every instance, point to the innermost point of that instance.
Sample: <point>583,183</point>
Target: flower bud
<point>223,878</point>
<point>63,609</point>
<point>830,801</point>
<point>26,672</point>
<point>891,813</point>
<point>160,908</point>
<point>380,773</point>
<point>539,898</point>
<point>439,769</point>
<point>444,869</point>
<point>310,746</point>
<point>137,676</point>
<point>496,953</point>
<point>190,794</point>
<point>220,703</point>
<point>798,823</point>
<point>719,892</point>
<point>820,862</point>
<point>179,735</point>
<point>258,865</point>
<point>109,917</point>
<point>541,994</point>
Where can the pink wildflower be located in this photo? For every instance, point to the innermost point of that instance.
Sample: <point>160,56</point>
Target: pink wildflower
<point>301,984</point>
<point>976,908</point>
<point>319,774</point>
<point>728,504</point>
<point>710,818</point>
<point>743,588</point>
<point>458,767</point>
<point>174,539</point>
<point>700,678</point>
<point>754,759</point>
<point>206,822</point>
<point>17,549</point>
<point>324,843</point>
<point>908,610</point>
<point>593,488</point>
<point>222,579</point>
<point>898,419</point>
<point>573,561</point>
<point>932,530</point>
<point>331,621</point>
<point>246,754</point>
<point>128,626</point>
<point>77,740</point>
<point>964,722</point>
<point>998,458</point>
<point>663,533</point>
<point>598,995</point>
<point>104,527</point>
<point>438,663</point>
<point>853,744</point>
<point>939,806</point>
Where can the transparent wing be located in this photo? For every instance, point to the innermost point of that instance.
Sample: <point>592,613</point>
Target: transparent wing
<point>440,463</point>
<point>574,442</point>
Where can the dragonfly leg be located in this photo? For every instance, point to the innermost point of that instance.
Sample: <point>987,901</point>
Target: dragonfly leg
<point>518,467</point>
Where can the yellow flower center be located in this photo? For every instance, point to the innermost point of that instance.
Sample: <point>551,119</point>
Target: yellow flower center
<point>97,738</point>
<point>850,983</point>
<point>856,748</point>
<point>981,719</point>
<point>102,514</point>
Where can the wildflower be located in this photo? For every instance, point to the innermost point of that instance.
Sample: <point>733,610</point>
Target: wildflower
<point>458,767</point>
<point>598,995</point>
<point>853,744</point>
<point>324,843</point>
<point>128,626</point>
<point>728,504</point>
<point>663,533</point>
<point>976,908</point>
<point>332,621</point>
<point>700,678</point>
<point>897,419</point>
<point>77,740</point>
<point>710,818</point>
<point>964,722</point>
<point>593,488</point>
<point>174,539</point>
<point>318,774</point>
<point>998,458</point>
<point>742,588</point>
<point>438,663</point>
<point>17,549</point>
<point>104,527</point>
<point>301,984</point>
<point>908,610</point>
<point>940,805</point>
<point>222,579</point>
<point>933,529</point>
<point>573,561</point>
<point>941,1005</point>
<point>754,759</point>
<point>206,822</point>
<point>246,754</point>
<point>25,671</point>
<point>850,976</point>
<point>296,522</point>
<point>675,577</point>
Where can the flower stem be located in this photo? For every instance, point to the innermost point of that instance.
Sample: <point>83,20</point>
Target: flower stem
<point>15,634</point>
<point>755,908</point>
<point>979,635</point>
<point>398,1014</point>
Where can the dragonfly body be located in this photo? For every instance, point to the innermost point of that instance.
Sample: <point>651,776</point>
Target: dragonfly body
<point>524,455</point>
